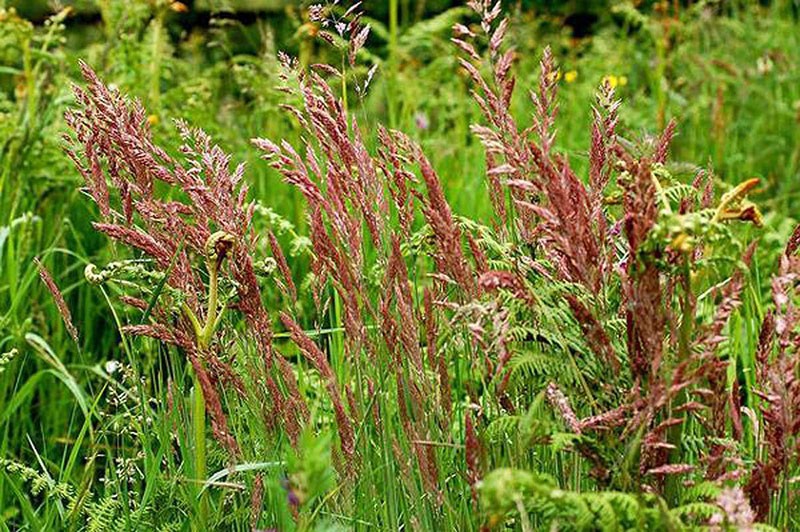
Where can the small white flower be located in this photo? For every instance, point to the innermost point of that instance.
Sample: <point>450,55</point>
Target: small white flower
<point>111,366</point>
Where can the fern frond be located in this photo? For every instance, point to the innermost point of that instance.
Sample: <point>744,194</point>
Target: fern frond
<point>502,428</point>
<point>102,515</point>
<point>695,511</point>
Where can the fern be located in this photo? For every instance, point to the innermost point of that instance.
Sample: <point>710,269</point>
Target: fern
<point>530,367</point>
<point>695,512</point>
<point>502,428</point>
<point>102,515</point>
<point>41,483</point>
<point>425,38</point>
<point>553,508</point>
<point>702,491</point>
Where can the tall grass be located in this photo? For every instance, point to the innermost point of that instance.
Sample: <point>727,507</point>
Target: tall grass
<point>606,341</point>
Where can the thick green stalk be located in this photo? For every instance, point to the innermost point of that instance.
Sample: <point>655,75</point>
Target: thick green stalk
<point>199,404</point>
<point>211,314</point>
<point>204,334</point>
<point>199,429</point>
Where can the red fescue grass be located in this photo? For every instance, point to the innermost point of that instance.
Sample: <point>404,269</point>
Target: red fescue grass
<point>663,368</point>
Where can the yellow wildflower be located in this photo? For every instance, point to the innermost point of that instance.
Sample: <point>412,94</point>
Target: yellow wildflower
<point>615,81</point>
<point>571,76</point>
<point>612,80</point>
<point>152,120</point>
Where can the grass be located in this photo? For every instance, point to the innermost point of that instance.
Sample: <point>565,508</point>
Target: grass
<point>115,430</point>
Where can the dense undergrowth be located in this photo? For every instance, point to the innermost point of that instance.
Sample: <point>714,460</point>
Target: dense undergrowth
<point>437,303</point>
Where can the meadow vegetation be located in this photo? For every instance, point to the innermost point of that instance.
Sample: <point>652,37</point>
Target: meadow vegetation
<point>492,266</point>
